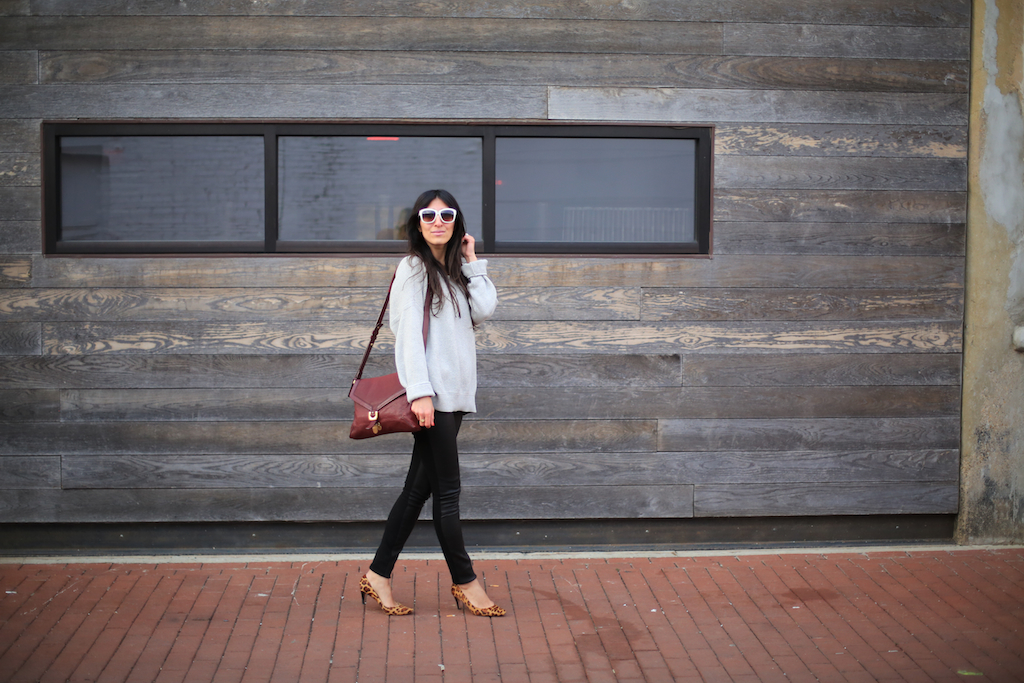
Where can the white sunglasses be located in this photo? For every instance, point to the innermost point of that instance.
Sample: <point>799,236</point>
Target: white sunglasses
<point>429,215</point>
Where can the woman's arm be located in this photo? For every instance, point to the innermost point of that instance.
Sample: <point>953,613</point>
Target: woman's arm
<point>406,321</point>
<point>483,298</point>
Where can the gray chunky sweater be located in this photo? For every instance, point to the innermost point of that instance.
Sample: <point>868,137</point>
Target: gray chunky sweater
<point>446,369</point>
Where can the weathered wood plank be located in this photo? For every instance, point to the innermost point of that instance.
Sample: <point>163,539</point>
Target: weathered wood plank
<point>840,206</point>
<point>892,42</point>
<point>357,33</point>
<point>865,239</point>
<point>853,369</point>
<point>829,140</point>
<point>292,303</point>
<point>19,170</point>
<point>29,405</point>
<point>19,136</point>
<point>362,65</point>
<point>749,106</point>
<point>19,203</point>
<point>833,434</point>
<point>42,472</point>
<point>510,469</point>
<point>15,271</point>
<point>582,370</point>
<point>662,304</point>
<point>311,438</point>
<point>18,339</point>
<point>20,237</point>
<point>19,66</point>
<point>12,8</point>
<point>774,270</point>
<point>667,338</point>
<point>950,13</point>
<point>272,101</point>
<point>718,402</point>
<point>515,337</point>
<point>789,499</point>
<point>545,403</point>
<point>197,371</point>
<point>198,272</point>
<point>355,504</point>
<point>312,371</point>
<point>840,173</point>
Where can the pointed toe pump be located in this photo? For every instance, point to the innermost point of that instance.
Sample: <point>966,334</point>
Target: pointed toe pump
<point>366,589</point>
<point>460,600</point>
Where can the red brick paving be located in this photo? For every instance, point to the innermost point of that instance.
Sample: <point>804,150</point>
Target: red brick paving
<point>937,614</point>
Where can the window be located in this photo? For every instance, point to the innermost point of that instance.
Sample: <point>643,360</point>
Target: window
<point>313,188</point>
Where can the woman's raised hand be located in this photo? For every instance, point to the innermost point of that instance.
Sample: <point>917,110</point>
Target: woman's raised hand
<point>469,248</point>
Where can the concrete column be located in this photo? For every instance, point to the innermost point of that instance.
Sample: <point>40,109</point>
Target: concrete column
<point>992,466</point>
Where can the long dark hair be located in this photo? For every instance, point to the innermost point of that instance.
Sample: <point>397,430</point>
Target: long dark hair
<point>440,276</point>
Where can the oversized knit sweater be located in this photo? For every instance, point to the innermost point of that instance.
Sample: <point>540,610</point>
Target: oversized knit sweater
<point>446,369</point>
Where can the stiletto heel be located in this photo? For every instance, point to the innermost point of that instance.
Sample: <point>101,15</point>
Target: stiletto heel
<point>366,589</point>
<point>492,611</point>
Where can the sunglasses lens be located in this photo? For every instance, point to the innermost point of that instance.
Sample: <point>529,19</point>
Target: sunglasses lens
<point>428,215</point>
<point>447,215</point>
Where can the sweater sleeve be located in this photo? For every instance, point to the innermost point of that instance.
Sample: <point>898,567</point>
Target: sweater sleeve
<point>406,321</point>
<point>483,298</point>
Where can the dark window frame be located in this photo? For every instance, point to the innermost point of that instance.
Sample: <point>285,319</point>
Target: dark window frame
<point>271,244</point>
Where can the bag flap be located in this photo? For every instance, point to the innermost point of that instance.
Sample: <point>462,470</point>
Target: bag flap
<point>373,393</point>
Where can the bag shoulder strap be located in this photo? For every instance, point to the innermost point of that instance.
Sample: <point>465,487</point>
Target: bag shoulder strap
<point>380,323</point>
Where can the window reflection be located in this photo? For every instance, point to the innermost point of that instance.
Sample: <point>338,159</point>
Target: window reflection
<point>162,188</point>
<point>362,188</point>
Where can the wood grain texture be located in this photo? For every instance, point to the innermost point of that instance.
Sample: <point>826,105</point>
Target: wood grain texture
<point>170,372</point>
<point>540,403</point>
<point>755,106</point>
<point>19,170</point>
<point>512,337</point>
<point>18,339</point>
<point>719,402</point>
<point>893,42</point>
<point>404,34</point>
<point>292,303</point>
<point>30,472</point>
<point>19,203</point>
<point>314,438</point>
<point>864,239</point>
<point>312,371</point>
<point>15,271</point>
<point>19,135</point>
<point>29,405</point>
<point>471,65</point>
<point>832,434</point>
<point>789,499</point>
<point>772,270</point>
<point>661,304</point>
<point>830,140</point>
<point>942,13</point>
<point>797,369</point>
<point>840,206</point>
<point>20,237</point>
<point>357,504</point>
<point>541,470</point>
<point>19,66</point>
<point>283,101</point>
<point>840,173</point>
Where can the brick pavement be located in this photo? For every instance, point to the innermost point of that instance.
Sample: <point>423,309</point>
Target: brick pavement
<point>915,614</point>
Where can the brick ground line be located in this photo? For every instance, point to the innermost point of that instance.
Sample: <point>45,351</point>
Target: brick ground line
<point>909,615</point>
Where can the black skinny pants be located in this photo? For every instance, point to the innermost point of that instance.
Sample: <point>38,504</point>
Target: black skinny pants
<point>434,472</point>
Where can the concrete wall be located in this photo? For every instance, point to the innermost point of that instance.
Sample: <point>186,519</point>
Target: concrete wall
<point>992,481</point>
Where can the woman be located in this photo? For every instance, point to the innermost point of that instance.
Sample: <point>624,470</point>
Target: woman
<point>440,382</point>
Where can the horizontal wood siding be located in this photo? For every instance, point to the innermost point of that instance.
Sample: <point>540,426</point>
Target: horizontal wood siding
<point>811,366</point>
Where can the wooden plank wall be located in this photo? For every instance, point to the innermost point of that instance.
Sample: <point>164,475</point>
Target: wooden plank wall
<point>811,367</point>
